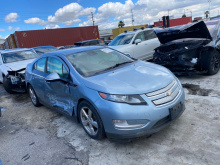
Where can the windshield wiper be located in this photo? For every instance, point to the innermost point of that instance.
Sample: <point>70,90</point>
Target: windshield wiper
<point>114,66</point>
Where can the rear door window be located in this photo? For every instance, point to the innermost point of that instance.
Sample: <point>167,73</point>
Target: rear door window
<point>55,65</point>
<point>40,65</point>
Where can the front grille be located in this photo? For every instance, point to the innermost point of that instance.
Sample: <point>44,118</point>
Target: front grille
<point>165,95</point>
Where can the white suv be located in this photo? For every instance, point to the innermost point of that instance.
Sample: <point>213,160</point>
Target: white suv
<point>139,44</point>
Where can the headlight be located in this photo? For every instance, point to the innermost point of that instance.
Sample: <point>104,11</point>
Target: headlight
<point>129,99</point>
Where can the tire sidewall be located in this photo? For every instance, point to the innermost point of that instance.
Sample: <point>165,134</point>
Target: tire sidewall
<point>210,71</point>
<point>37,101</point>
<point>7,85</point>
<point>100,134</point>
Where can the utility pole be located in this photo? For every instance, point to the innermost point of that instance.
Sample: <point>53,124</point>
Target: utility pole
<point>132,18</point>
<point>92,19</point>
<point>168,12</point>
<point>209,1</point>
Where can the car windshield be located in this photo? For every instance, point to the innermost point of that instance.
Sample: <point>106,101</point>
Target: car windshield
<point>92,62</point>
<point>18,56</point>
<point>43,50</point>
<point>212,27</point>
<point>121,40</point>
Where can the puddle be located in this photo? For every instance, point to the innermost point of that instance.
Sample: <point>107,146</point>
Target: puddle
<point>24,97</point>
<point>196,90</point>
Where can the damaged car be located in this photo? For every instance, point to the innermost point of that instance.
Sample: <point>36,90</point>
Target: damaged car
<point>107,91</point>
<point>194,47</point>
<point>44,49</point>
<point>13,63</point>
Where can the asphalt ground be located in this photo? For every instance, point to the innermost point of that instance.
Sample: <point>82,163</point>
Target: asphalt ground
<point>31,135</point>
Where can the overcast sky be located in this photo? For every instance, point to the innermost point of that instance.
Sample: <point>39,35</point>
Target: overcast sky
<point>40,14</point>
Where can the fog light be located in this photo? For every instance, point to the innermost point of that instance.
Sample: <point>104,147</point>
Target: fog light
<point>123,124</point>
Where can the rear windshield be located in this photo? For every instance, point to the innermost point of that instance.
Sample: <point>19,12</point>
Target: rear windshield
<point>44,50</point>
<point>18,56</point>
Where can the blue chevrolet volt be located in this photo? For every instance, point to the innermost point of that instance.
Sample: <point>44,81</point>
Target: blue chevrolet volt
<point>110,93</point>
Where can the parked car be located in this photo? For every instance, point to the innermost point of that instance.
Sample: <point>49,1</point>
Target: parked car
<point>12,67</point>
<point>44,49</point>
<point>139,44</point>
<point>109,92</point>
<point>89,43</point>
<point>191,47</point>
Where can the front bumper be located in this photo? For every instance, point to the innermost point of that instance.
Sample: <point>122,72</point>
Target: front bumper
<point>155,117</point>
<point>159,125</point>
<point>16,86</point>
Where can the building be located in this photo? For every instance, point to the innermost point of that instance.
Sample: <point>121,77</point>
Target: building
<point>118,31</point>
<point>106,34</point>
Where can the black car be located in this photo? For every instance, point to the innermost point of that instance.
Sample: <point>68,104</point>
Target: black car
<point>191,47</point>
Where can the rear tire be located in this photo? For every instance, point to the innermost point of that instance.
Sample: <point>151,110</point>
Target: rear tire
<point>90,120</point>
<point>7,85</point>
<point>211,62</point>
<point>33,96</point>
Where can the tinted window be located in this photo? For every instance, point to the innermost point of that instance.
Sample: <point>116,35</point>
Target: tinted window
<point>40,64</point>
<point>150,34</point>
<point>55,65</point>
<point>94,42</point>
<point>140,36</point>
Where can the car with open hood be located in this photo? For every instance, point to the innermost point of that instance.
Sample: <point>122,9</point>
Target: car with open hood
<point>12,68</point>
<point>194,47</point>
<point>107,91</point>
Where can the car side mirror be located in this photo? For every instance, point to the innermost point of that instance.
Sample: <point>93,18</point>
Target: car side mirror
<point>137,41</point>
<point>53,77</point>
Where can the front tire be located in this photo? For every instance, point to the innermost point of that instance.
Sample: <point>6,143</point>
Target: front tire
<point>33,96</point>
<point>211,62</point>
<point>8,85</point>
<point>90,120</point>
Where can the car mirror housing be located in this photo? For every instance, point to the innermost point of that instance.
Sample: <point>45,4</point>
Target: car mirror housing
<point>137,41</point>
<point>53,77</point>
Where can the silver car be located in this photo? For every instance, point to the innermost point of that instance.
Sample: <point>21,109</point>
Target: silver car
<point>108,92</point>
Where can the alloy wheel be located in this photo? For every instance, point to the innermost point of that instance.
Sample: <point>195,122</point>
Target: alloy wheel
<point>89,121</point>
<point>32,95</point>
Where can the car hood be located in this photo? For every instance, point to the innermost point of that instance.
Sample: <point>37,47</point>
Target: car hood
<point>14,66</point>
<point>137,78</point>
<point>191,30</point>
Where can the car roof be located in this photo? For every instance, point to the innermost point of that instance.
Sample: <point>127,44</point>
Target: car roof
<point>73,50</point>
<point>13,50</point>
<point>135,31</point>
